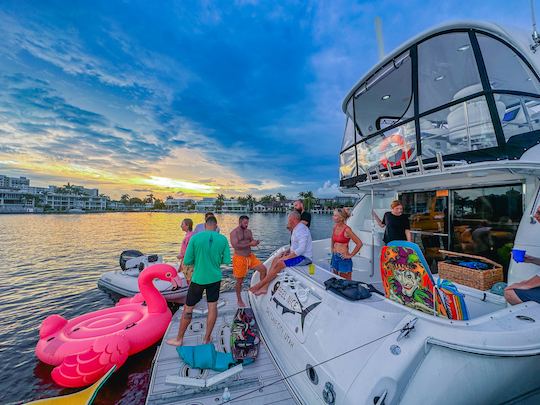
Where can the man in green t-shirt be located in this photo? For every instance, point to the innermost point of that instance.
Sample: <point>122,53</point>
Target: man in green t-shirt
<point>207,250</point>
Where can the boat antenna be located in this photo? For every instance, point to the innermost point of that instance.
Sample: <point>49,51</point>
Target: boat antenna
<point>380,40</point>
<point>535,36</point>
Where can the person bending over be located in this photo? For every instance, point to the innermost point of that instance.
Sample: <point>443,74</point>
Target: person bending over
<point>207,251</point>
<point>341,235</point>
<point>299,254</point>
<point>243,259</point>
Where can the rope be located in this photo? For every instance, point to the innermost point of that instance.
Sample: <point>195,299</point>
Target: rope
<point>406,328</point>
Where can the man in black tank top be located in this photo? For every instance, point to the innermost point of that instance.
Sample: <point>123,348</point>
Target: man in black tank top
<point>305,216</point>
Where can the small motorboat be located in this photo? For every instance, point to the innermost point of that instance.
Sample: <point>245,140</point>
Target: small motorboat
<point>125,281</point>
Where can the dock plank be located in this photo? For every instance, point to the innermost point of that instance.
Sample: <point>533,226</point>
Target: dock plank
<point>246,388</point>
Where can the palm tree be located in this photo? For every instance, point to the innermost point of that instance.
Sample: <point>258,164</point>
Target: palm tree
<point>251,201</point>
<point>149,198</point>
<point>309,199</point>
<point>281,199</point>
<point>219,202</point>
<point>125,199</point>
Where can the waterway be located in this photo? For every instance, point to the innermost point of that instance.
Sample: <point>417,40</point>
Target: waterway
<point>51,263</point>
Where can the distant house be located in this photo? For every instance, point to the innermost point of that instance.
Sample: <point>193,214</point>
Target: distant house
<point>232,205</point>
<point>259,208</point>
<point>177,204</point>
<point>207,204</point>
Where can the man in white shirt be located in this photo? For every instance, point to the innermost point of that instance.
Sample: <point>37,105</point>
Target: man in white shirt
<point>299,254</point>
<point>201,227</point>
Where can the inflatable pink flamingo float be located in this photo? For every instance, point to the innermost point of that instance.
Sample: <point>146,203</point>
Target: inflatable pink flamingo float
<point>83,349</point>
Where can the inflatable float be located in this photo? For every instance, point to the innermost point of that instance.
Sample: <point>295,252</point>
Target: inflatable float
<point>84,397</point>
<point>83,349</point>
<point>125,281</point>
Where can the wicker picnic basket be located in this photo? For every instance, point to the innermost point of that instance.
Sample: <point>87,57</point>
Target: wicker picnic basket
<point>479,279</point>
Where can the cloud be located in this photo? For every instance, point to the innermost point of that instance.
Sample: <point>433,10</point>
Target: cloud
<point>328,190</point>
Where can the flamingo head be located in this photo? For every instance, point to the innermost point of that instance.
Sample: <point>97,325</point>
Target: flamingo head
<point>163,271</point>
<point>51,325</point>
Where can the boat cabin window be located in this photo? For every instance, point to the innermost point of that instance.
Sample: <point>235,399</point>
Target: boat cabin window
<point>485,221</point>
<point>481,221</point>
<point>461,106</point>
<point>386,98</point>
<point>447,70</point>
<point>459,128</point>
<point>507,71</point>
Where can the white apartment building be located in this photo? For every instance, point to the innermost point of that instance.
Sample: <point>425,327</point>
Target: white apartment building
<point>14,182</point>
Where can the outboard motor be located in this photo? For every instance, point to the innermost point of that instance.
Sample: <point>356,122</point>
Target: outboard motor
<point>135,260</point>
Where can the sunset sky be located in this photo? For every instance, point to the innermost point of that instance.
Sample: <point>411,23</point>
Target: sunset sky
<point>195,98</point>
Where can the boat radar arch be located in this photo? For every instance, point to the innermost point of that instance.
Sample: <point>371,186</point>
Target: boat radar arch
<point>458,96</point>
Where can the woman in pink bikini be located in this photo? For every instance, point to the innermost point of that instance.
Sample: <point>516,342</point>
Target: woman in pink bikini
<point>341,235</point>
<point>187,227</point>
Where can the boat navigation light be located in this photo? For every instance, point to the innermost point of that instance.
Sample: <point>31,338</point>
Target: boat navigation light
<point>463,48</point>
<point>386,97</point>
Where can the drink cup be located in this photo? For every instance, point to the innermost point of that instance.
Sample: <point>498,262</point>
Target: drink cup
<point>518,255</point>
<point>311,269</point>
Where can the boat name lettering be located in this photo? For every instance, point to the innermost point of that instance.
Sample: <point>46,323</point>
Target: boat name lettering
<point>280,328</point>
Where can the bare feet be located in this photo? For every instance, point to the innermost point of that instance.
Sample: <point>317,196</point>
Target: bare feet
<point>175,342</point>
<point>261,291</point>
<point>241,303</point>
<point>254,288</point>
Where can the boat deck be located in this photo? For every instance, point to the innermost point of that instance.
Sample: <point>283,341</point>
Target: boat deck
<point>258,383</point>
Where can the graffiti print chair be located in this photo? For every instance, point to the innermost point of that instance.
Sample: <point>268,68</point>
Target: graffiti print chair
<point>407,280</point>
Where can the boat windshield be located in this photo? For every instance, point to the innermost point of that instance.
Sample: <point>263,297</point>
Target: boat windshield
<point>467,95</point>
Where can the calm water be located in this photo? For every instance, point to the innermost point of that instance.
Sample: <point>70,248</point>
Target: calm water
<point>51,263</point>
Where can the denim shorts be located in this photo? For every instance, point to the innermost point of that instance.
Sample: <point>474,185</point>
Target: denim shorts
<point>340,264</point>
<point>532,294</point>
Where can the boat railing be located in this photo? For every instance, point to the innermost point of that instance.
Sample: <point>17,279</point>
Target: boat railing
<point>417,167</point>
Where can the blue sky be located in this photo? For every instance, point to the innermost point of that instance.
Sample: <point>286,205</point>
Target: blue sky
<point>195,98</point>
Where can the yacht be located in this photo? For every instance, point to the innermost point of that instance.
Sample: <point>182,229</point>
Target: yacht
<point>449,123</point>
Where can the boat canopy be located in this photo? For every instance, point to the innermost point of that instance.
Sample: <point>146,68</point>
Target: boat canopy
<point>467,92</point>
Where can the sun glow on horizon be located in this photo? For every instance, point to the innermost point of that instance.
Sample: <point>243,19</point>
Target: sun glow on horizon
<point>179,184</point>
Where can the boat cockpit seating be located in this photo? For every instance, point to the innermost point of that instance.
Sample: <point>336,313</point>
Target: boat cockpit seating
<point>407,280</point>
<point>471,119</point>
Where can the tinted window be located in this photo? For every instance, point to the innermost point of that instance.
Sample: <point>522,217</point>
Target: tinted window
<point>446,70</point>
<point>386,98</point>
<point>460,128</point>
<point>506,70</point>
<point>485,221</point>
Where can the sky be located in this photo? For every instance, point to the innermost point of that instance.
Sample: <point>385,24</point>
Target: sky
<point>193,99</point>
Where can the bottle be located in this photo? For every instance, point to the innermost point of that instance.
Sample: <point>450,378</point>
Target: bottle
<point>311,269</point>
<point>226,397</point>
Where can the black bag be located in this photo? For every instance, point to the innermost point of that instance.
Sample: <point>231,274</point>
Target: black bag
<point>349,289</point>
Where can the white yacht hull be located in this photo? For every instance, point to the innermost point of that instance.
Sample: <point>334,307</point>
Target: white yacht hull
<point>359,357</point>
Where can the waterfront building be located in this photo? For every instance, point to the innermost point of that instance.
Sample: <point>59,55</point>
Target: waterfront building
<point>232,205</point>
<point>206,204</point>
<point>178,204</point>
<point>14,182</point>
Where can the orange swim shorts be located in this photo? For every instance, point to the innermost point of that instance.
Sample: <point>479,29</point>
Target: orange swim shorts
<point>241,264</point>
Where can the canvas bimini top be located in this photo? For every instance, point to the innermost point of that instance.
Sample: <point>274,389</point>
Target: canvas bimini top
<point>462,92</point>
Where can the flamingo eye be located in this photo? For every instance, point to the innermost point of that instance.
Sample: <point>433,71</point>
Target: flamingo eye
<point>168,275</point>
